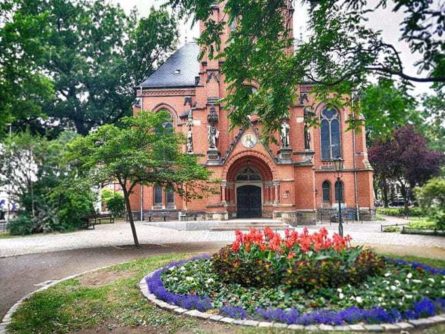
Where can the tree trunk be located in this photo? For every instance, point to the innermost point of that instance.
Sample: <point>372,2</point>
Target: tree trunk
<point>130,218</point>
<point>405,197</point>
<point>385,194</point>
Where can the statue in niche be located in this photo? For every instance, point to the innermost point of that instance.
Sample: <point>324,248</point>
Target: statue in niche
<point>285,129</point>
<point>213,135</point>
<point>190,132</point>
<point>308,113</point>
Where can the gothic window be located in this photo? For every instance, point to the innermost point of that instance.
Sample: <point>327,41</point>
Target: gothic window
<point>170,197</point>
<point>248,174</point>
<point>157,198</point>
<point>326,191</point>
<point>339,191</point>
<point>330,134</point>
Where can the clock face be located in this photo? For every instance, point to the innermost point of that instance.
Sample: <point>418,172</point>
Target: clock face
<point>249,140</point>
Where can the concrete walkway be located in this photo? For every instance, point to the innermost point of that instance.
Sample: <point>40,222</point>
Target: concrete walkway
<point>119,234</point>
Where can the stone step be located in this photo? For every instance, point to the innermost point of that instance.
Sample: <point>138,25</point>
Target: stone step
<point>233,227</point>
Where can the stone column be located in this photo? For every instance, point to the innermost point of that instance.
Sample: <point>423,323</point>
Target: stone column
<point>223,192</point>
<point>277,194</point>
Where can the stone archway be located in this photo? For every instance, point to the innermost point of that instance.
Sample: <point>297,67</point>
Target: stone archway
<point>249,190</point>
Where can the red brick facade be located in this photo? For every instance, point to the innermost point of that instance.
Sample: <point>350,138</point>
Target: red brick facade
<point>285,181</point>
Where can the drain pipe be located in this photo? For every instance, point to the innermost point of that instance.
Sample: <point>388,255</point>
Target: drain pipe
<point>357,209</point>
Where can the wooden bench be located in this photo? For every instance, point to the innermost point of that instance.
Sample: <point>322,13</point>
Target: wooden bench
<point>93,220</point>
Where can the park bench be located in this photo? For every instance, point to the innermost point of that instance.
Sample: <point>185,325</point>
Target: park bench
<point>93,220</point>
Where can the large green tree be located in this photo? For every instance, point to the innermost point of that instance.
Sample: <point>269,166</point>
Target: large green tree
<point>341,54</point>
<point>139,151</point>
<point>92,52</point>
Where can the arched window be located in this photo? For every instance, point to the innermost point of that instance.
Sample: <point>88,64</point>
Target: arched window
<point>170,197</point>
<point>248,174</point>
<point>330,134</point>
<point>157,198</point>
<point>339,191</point>
<point>326,186</point>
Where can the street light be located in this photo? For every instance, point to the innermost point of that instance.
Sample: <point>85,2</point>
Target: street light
<point>338,164</point>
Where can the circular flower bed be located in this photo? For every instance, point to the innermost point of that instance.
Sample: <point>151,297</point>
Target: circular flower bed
<point>302,279</point>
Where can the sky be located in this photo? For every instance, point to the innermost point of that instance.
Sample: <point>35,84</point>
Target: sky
<point>384,20</point>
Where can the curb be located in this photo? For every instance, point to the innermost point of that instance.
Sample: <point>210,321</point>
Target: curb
<point>360,327</point>
<point>47,284</point>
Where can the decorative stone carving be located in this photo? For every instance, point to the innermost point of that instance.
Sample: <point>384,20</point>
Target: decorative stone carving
<point>284,134</point>
<point>303,98</point>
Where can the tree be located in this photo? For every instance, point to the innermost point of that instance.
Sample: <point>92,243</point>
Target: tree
<point>141,151</point>
<point>404,159</point>
<point>24,90</point>
<point>433,126</point>
<point>92,53</point>
<point>50,195</point>
<point>391,102</point>
<point>341,54</point>
<point>432,198</point>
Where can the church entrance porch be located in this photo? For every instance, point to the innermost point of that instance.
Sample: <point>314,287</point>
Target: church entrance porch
<point>249,190</point>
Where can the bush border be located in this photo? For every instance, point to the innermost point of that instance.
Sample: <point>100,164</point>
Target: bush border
<point>403,325</point>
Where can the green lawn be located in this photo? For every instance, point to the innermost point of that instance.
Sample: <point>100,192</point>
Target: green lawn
<point>110,298</point>
<point>422,224</point>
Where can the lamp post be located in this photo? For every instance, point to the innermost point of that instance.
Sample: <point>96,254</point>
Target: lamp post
<point>338,163</point>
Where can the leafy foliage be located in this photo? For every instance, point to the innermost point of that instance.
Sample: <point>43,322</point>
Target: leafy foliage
<point>49,194</point>
<point>431,197</point>
<point>404,159</point>
<point>77,61</point>
<point>341,54</point>
<point>139,151</point>
<point>115,202</point>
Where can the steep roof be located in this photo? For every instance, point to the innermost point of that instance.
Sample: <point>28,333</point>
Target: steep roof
<point>179,70</point>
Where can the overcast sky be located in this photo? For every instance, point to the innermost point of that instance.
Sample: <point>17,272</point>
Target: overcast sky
<point>387,22</point>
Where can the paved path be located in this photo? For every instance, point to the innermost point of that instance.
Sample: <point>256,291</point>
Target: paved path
<point>20,275</point>
<point>119,235</point>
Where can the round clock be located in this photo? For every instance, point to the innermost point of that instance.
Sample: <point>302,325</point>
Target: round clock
<point>249,140</point>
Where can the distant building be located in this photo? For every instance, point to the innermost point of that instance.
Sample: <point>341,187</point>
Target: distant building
<point>292,179</point>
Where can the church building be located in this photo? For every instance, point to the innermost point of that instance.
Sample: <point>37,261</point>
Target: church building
<point>293,179</point>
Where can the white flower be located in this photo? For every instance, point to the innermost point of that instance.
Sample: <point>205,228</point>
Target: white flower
<point>172,268</point>
<point>417,281</point>
<point>393,288</point>
<point>182,269</point>
<point>189,279</point>
<point>409,275</point>
<point>341,296</point>
<point>388,274</point>
<point>359,299</point>
<point>431,279</point>
<point>339,290</point>
<point>409,296</point>
<point>210,280</point>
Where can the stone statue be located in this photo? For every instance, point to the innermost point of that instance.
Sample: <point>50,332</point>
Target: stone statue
<point>213,135</point>
<point>189,141</point>
<point>190,132</point>
<point>285,129</point>
<point>307,137</point>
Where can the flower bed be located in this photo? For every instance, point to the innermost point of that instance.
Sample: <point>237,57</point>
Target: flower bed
<point>380,290</point>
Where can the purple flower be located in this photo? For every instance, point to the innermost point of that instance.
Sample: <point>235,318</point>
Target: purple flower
<point>236,312</point>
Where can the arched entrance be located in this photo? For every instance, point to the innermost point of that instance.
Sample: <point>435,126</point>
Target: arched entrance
<point>249,188</point>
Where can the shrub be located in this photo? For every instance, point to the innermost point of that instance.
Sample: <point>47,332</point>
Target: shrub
<point>391,229</point>
<point>116,204</point>
<point>431,197</point>
<point>400,212</point>
<point>22,225</point>
<point>299,260</point>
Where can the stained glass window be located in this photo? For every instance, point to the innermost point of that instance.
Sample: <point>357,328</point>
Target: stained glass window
<point>330,135</point>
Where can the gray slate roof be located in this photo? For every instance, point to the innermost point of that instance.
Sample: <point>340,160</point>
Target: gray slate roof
<point>179,70</point>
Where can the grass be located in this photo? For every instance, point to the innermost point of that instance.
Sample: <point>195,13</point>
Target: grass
<point>422,224</point>
<point>77,305</point>
<point>5,235</point>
